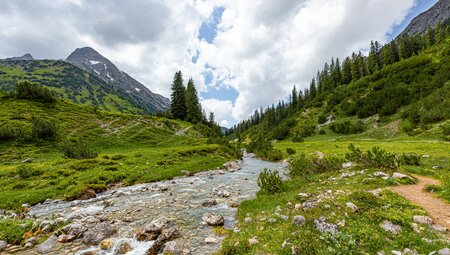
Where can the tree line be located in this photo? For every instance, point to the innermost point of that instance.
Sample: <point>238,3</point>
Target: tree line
<point>335,74</point>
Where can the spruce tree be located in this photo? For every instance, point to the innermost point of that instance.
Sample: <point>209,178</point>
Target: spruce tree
<point>347,71</point>
<point>193,107</point>
<point>312,89</point>
<point>178,97</point>
<point>294,97</point>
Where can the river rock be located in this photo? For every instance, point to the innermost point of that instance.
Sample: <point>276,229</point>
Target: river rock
<point>106,244</point>
<point>123,248</point>
<point>213,219</point>
<point>47,245</point>
<point>88,194</point>
<point>233,204</point>
<point>422,219</point>
<point>3,245</point>
<point>298,220</point>
<point>166,235</point>
<point>232,166</point>
<point>210,240</point>
<point>74,231</point>
<point>99,232</point>
<point>62,238</point>
<point>186,173</point>
<point>171,248</point>
<point>152,230</point>
<point>209,203</point>
<point>390,227</point>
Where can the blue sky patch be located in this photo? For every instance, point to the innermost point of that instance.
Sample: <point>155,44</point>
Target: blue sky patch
<point>208,30</point>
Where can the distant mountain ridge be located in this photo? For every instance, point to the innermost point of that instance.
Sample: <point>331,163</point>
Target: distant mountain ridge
<point>440,12</point>
<point>24,57</point>
<point>90,60</point>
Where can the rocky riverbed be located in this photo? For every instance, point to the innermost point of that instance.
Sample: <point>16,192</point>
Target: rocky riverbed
<point>192,205</point>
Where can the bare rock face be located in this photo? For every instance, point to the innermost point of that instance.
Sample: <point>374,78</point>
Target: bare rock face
<point>47,245</point>
<point>90,60</point>
<point>440,12</point>
<point>152,230</point>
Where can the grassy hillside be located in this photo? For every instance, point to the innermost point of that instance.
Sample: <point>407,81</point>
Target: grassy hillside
<point>132,149</point>
<point>329,190</point>
<point>67,81</point>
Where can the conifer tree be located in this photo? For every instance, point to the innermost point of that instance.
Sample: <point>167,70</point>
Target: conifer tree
<point>294,97</point>
<point>178,97</point>
<point>312,89</point>
<point>347,71</point>
<point>193,107</point>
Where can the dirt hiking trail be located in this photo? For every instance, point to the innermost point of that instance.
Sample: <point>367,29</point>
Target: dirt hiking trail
<point>438,209</point>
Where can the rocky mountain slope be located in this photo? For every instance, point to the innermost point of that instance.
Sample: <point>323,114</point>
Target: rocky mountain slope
<point>440,12</point>
<point>89,59</point>
<point>24,57</point>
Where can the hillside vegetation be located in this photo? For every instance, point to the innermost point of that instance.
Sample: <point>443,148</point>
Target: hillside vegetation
<point>61,150</point>
<point>67,81</point>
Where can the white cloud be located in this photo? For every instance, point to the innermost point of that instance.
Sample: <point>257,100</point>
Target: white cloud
<point>261,50</point>
<point>221,109</point>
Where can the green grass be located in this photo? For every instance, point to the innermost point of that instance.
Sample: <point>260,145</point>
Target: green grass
<point>361,233</point>
<point>133,149</point>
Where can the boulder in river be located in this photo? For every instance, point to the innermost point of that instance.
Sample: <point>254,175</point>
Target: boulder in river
<point>3,245</point>
<point>74,231</point>
<point>166,235</point>
<point>47,245</point>
<point>99,232</point>
<point>213,219</point>
<point>152,230</point>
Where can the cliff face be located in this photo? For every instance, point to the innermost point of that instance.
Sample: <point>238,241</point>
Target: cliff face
<point>440,12</point>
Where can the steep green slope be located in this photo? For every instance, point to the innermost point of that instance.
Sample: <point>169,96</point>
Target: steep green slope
<point>132,149</point>
<point>67,81</point>
<point>411,95</point>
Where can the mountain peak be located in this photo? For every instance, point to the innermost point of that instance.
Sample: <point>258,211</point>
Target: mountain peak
<point>89,59</point>
<point>24,57</point>
<point>440,12</point>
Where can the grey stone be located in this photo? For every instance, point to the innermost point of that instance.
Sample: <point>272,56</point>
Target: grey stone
<point>3,245</point>
<point>166,235</point>
<point>352,206</point>
<point>171,248</point>
<point>47,245</point>
<point>209,203</point>
<point>213,219</point>
<point>298,220</point>
<point>445,251</point>
<point>99,232</point>
<point>390,227</point>
<point>324,226</point>
<point>422,219</point>
<point>152,230</point>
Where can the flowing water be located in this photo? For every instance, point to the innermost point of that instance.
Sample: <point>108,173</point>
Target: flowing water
<point>180,200</point>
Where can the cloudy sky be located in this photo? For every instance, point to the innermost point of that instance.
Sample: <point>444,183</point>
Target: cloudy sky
<point>242,54</point>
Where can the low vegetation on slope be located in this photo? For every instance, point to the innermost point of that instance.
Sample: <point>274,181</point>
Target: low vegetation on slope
<point>61,150</point>
<point>67,81</point>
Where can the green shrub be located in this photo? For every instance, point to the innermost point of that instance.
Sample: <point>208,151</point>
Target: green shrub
<point>301,167</point>
<point>269,181</point>
<point>322,118</point>
<point>28,90</point>
<point>297,138</point>
<point>274,155</point>
<point>13,230</point>
<point>290,151</point>
<point>375,157</point>
<point>44,129</point>
<point>410,159</point>
<point>77,149</point>
<point>327,164</point>
<point>25,171</point>
<point>347,127</point>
